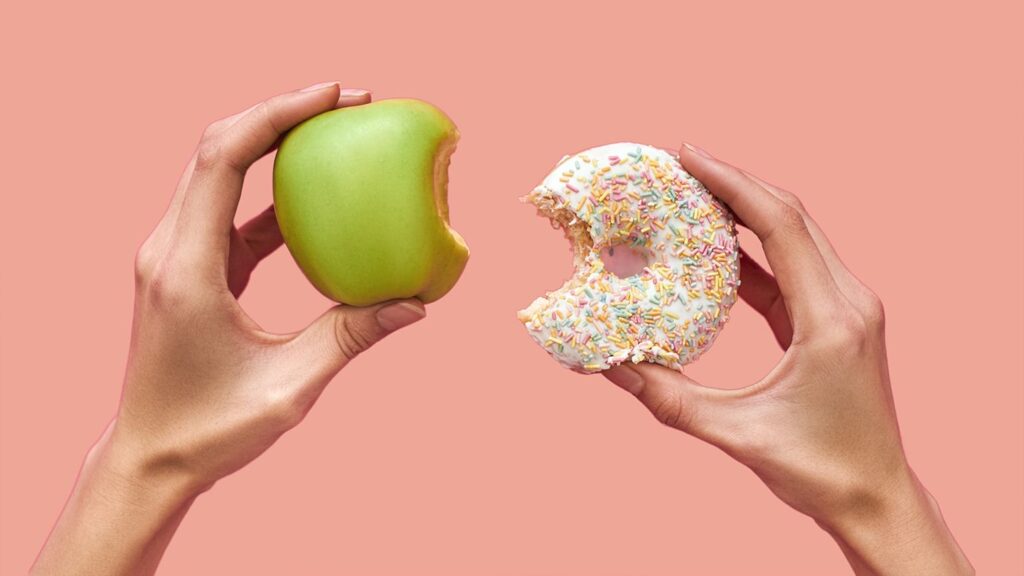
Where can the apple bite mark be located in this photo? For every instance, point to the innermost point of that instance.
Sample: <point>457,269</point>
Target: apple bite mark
<point>638,198</point>
<point>450,264</point>
<point>442,160</point>
<point>441,166</point>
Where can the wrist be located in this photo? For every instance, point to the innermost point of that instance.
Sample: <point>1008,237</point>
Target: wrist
<point>899,530</point>
<point>121,514</point>
<point>138,474</point>
<point>869,508</point>
<point>885,516</point>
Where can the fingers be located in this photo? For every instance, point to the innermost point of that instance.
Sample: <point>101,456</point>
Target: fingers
<point>160,237</point>
<point>313,357</point>
<point>851,287</point>
<point>200,233</point>
<point>344,332</point>
<point>261,234</point>
<point>353,97</point>
<point>226,152</point>
<point>346,97</point>
<point>247,138</point>
<point>800,271</point>
<point>254,241</point>
<point>759,289</point>
<point>677,401</point>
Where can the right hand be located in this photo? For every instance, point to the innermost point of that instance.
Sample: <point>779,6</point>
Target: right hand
<point>820,429</point>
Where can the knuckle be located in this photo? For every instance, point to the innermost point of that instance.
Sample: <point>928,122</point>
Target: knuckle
<point>669,411</point>
<point>166,288</point>
<point>792,220</point>
<point>265,113</point>
<point>210,152</point>
<point>788,221</point>
<point>848,334</point>
<point>284,410</point>
<point>856,333</point>
<point>748,446</point>
<point>874,311</point>
<point>145,262</point>
<point>353,337</point>
<point>213,130</point>
<point>792,200</point>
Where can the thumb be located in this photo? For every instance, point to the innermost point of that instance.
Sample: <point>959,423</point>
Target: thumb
<point>675,399</point>
<point>344,332</point>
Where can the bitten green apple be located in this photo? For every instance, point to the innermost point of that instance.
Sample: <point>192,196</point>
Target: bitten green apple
<point>361,195</point>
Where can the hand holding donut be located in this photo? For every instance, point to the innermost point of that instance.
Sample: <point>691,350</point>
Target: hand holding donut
<point>206,389</point>
<point>820,429</point>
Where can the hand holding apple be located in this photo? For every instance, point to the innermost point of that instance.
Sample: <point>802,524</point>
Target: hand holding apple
<point>206,390</point>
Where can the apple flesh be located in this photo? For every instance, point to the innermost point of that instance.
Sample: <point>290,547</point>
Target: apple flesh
<point>362,202</point>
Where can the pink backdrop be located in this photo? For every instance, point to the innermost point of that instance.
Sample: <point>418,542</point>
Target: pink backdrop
<point>899,125</point>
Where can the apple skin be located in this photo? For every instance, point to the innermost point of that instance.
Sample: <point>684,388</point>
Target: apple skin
<point>361,199</point>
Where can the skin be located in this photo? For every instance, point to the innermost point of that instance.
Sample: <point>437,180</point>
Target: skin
<point>820,429</point>
<point>206,390</point>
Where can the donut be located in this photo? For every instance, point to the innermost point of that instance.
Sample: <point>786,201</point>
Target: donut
<point>638,197</point>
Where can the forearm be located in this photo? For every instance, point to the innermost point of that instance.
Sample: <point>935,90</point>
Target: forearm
<point>906,536</point>
<point>118,519</point>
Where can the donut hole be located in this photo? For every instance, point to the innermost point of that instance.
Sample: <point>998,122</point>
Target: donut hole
<point>624,260</point>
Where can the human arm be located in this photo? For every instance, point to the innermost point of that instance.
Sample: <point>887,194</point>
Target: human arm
<point>206,390</point>
<point>820,429</point>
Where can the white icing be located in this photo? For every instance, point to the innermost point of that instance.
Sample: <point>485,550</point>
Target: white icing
<point>672,311</point>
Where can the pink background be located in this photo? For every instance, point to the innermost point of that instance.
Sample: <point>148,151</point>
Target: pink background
<point>899,125</point>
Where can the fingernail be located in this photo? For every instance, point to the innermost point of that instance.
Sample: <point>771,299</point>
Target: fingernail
<point>396,316</point>
<point>320,86</point>
<point>626,377</point>
<point>696,150</point>
<point>354,92</point>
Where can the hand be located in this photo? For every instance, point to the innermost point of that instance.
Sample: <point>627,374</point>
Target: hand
<point>206,389</point>
<point>820,429</point>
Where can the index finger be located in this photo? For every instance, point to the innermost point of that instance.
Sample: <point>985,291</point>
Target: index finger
<point>348,97</point>
<point>227,151</point>
<point>800,270</point>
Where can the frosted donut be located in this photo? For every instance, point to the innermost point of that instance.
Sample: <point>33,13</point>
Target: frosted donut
<point>671,311</point>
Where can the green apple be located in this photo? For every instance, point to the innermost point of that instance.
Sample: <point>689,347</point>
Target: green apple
<point>361,196</point>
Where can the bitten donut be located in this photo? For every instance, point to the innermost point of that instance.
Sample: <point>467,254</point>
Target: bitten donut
<point>669,313</point>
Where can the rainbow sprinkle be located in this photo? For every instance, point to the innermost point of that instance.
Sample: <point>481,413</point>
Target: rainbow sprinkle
<point>671,312</point>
